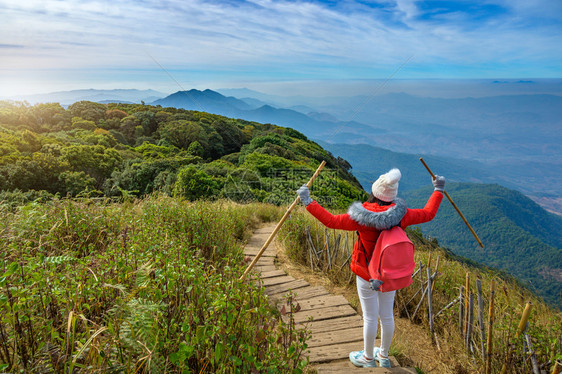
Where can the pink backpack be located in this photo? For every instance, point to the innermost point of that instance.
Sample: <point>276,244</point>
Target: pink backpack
<point>392,263</point>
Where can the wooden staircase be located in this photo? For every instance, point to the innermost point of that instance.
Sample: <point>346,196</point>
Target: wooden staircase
<point>336,328</point>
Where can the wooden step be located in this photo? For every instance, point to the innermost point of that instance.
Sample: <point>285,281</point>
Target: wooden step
<point>352,334</point>
<point>267,282</point>
<point>303,293</point>
<point>334,324</point>
<point>285,287</point>
<point>345,366</point>
<point>324,301</point>
<point>269,252</point>
<point>324,314</point>
<point>272,273</point>
<point>264,268</point>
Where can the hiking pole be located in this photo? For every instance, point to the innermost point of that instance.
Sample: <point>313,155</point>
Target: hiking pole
<point>283,219</point>
<point>454,206</point>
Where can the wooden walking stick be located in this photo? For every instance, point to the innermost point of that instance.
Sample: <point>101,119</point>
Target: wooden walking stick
<point>557,368</point>
<point>455,206</point>
<point>283,219</point>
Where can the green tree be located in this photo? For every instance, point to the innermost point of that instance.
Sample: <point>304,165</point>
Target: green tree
<point>196,149</point>
<point>264,164</point>
<point>75,182</point>
<point>147,120</point>
<point>232,136</point>
<point>31,142</point>
<point>81,123</point>
<point>182,133</point>
<point>140,175</point>
<point>128,128</point>
<point>194,184</point>
<point>114,117</point>
<point>46,115</point>
<point>95,160</point>
<point>88,110</point>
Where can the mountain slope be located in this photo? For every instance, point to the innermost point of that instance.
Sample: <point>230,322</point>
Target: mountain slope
<point>204,101</point>
<point>134,149</point>
<point>518,235</point>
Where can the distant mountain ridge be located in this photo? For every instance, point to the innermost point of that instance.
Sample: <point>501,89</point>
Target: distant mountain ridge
<point>213,102</point>
<point>69,97</point>
<point>368,162</point>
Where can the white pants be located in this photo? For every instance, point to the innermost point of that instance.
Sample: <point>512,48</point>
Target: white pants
<point>376,305</point>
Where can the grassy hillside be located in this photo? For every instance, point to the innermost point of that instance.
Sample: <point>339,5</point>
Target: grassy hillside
<point>519,236</point>
<point>149,286</point>
<point>445,351</point>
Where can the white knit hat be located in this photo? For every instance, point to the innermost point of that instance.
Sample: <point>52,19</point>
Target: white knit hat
<point>386,187</point>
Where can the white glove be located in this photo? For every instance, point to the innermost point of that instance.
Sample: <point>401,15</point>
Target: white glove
<point>304,195</point>
<point>439,183</point>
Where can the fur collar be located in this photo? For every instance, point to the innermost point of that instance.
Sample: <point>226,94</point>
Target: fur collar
<point>379,220</point>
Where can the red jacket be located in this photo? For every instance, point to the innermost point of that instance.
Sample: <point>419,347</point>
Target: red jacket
<point>369,219</point>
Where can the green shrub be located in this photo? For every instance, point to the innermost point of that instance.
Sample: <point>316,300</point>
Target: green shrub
<point>157,290</point>
<point>194,184</point>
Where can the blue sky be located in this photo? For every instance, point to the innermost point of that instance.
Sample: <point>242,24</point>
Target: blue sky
<point>52,45</point>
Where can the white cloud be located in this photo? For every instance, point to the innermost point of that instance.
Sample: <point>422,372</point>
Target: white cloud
<point>349,38</point>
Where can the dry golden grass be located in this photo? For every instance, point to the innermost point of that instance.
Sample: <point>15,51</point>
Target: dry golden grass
<point>412,344</point>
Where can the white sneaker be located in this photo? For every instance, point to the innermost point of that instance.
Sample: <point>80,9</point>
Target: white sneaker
<point>358,358</point>
<point>383,362</point>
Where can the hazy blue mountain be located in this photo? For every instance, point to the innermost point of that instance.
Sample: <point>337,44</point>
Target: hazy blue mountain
<point>253,103</point>
<point>213,102</point>
<point>204,101</point>
<point>368,162</point>
<point>274,100</point>
<point>519,236</point>
<point>489,129</point>
<point>69,97</point>
<point>518,135</point>
<point>320,116</point>
<point>115,102</point>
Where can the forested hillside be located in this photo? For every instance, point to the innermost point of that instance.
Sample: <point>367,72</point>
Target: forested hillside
<point>92,149</point>
<point>519,237</point>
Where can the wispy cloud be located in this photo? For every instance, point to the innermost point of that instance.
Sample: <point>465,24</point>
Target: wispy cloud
<point>11,46</point>
<point>352,38</point>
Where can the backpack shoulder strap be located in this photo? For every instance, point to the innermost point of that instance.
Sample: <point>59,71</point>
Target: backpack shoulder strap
<point>363,247</point>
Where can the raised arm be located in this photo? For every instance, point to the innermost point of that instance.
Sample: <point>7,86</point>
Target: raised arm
<point>416,216</point>
<point>339,221</point>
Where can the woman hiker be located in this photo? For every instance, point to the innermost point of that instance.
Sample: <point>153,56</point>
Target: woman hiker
<point>382,210</point>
